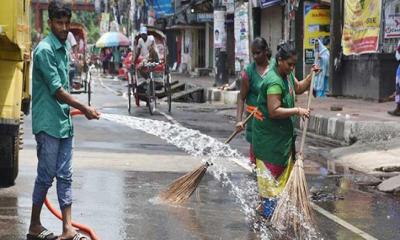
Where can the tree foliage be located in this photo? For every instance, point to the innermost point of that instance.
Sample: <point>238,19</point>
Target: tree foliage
<point>90,20</point>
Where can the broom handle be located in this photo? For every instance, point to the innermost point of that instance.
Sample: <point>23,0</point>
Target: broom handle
<point>238,130</point>
<point>305,126</point>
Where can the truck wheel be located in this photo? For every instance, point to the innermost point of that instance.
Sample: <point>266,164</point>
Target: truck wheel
<point>9,147</point>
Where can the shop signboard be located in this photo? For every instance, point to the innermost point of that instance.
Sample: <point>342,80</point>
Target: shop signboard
<point>316,26</point>
<point>269,3</point>
<point>205,17</point>
<point>163,8</point>
<point>362,19</point>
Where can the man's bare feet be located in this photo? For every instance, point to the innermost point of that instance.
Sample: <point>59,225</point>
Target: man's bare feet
<point>395,113</point>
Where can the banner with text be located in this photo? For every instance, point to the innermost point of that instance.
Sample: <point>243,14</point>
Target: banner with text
<point>316,26</point>
<point>269,3</point>
<point>361,26</point>
<point>241,24</point>
<point>392,20</point>
<point>104,23</point>
<point>219,30</point>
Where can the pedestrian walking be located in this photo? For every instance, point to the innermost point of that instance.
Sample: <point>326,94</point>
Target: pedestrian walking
<point>251,78</point>
<point>106,56</point>
<point>51,122</point>
<point>273,126</point>
<point>321,81</point>
<point>396,111</point>
<point>116,56</point>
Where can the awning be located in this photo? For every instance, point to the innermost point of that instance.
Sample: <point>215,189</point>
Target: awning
<point>326,1</point>
<point>269,3</point>
<point>185,26</point>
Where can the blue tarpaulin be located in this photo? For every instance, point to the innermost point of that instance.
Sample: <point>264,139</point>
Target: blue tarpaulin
<point>269,3</point>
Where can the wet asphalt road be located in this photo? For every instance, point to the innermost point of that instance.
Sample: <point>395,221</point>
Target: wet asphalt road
<point>119,171</point>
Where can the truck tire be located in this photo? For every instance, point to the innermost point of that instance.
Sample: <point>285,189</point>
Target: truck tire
<point>9,148</point>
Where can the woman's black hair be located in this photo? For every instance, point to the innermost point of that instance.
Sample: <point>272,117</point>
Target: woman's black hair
<point>58,9</point>
<point>285,51</point>
<point>260,43</point>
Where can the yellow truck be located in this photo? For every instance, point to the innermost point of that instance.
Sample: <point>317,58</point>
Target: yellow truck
<point>15,49</point>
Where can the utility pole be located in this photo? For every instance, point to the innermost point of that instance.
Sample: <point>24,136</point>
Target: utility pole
<point>336,37</point>
<point>105,6</point>
<point>251,25</point>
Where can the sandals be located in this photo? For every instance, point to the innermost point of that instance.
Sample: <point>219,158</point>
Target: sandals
<point>78,236</point>
<point>44,235</point>
<point>395,113</point>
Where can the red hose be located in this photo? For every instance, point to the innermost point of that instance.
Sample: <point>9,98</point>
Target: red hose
<point>75,112</point>
<point>86,229</point>
<point>81,227</point>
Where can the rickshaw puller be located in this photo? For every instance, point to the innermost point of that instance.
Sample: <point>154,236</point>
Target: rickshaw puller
<point>146,52</point>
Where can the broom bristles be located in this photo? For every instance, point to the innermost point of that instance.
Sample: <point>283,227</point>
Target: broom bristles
<point>293,211</point>
<point>182,188</point>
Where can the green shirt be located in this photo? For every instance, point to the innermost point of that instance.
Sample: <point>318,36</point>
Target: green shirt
<point>254,78</point>
<point>273,139</point>
<point>50,72</point>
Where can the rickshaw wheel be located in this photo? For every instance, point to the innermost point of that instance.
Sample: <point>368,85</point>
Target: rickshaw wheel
<point>167,89</point>
<point>151,99</point>
<point>137,100</point>
<point>89,91</point>
<point>129,98</point>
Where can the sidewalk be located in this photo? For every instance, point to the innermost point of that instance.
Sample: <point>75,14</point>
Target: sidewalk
<point>359,120</point>
<point>375,133</point>
<point>211,93</point>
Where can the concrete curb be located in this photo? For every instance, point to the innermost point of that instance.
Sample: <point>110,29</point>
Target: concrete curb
<point>344,129</point>
<point>335,128</point>
<point>351,131</point>
<point>217,95</point>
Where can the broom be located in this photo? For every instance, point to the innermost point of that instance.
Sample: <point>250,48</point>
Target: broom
<point>182,188</point>
<point>293,210</point>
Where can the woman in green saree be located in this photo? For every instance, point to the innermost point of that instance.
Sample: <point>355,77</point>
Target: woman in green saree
<point>273,133</point>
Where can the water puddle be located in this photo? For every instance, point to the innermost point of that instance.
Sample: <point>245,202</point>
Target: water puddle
<point>212,151</point>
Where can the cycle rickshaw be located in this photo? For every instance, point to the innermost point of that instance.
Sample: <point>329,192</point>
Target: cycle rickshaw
<point>158,83</point>
<point>79,72</point>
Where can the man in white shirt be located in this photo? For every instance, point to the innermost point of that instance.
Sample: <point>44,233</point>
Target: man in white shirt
<point>146,51</point>
<point>71,39</point>
<point>72,60</point>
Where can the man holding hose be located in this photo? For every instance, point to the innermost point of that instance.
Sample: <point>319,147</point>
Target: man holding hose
<point>51,122</point>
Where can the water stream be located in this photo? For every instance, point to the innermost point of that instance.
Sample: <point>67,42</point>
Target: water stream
<point>209,150</point>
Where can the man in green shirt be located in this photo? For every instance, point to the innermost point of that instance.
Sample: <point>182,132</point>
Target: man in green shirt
<point>51,122</point>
